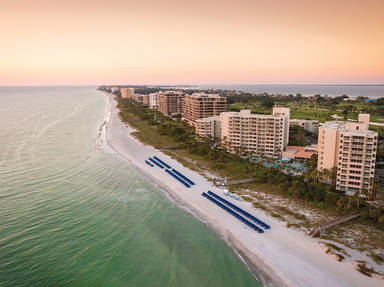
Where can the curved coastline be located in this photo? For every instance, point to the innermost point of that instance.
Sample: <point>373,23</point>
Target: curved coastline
<point>259,269</point>
<point>309,271</point>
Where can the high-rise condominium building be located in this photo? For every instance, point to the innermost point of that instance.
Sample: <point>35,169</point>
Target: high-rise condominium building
<point>311,126</point>
<point>170,102</point>
<point>261,134</point>
<point>126,93</point>
<point>138,98</point>
<point>351,148</point>
<point>208,127</point>
<point>154,101</point>
<point>145,100</point>
<point>201,105</point>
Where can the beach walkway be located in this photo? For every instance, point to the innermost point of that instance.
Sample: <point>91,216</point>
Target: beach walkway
<point>332,223</point>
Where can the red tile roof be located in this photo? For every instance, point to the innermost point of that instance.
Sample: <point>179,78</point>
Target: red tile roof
<point>300,151</point>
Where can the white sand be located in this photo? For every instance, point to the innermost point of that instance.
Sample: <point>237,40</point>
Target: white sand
<point>284,256</point>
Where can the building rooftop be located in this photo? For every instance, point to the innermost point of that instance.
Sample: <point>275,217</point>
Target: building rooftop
<point>247,114</point>
<point>348,127</point>
<point>204,95</point>
<point>300,151</point>
<point>208,119</point>
<point>171,92</point>
<point>332,125</point>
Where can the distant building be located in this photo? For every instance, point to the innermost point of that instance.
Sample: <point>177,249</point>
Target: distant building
<point>308,125</point>
<point>350,147</point>
<point>137,98</point>
<point>261,134</point>
<point>145,100</point>
<point>154,101</point>
<point>201,105</point>
<point>170,102</point>
<point>126,93</point>
<point>208,127</point>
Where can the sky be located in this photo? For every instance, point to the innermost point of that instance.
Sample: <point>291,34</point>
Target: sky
<point>191,42</point>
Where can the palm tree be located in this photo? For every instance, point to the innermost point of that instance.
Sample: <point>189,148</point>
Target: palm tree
<point>237,151</point>
<point>356,197</point>
<point>225,143</point>
<point>373,193</point>
<point>349,202</point>
<point>333,174</point>
<point>316,174</point>
<point>320,175</point>
<point>327,175</point>
<point>308,177</point>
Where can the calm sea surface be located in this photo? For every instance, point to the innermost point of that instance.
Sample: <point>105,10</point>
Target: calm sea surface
<point>308,90</point>
<point>72,213</point>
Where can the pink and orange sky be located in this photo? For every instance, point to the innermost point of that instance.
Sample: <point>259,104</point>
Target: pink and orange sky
<point>191,42</point>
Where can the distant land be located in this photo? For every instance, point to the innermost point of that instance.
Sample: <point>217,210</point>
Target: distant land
<point>333,90</point>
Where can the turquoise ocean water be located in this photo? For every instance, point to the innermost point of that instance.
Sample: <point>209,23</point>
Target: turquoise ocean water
<point>72,213</point>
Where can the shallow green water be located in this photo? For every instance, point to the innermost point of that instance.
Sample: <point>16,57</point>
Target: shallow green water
<point>72,213</point>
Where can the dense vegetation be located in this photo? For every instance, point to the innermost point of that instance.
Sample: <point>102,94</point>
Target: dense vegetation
<point>318,107</point>
<point>307,188</point>
<point>299,137</point>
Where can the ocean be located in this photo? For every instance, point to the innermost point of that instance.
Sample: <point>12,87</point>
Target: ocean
<point>73,213</point>
<point>352,91</point>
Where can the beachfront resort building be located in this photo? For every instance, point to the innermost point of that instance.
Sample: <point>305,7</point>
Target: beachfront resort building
<point>208,127</point>
<point>351,148</point>
<point>308,125</point>
<point>145,100</point>
<point>170,102</point>
<point>154,101</point>
<point>299,154</point>
<point>126,93</point>
<point>138,98</point>
<point>202,105</point>
<point>260,134</point>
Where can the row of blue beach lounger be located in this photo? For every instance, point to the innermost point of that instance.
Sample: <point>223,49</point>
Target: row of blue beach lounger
<point>152,161</point>
<point>236,211</point>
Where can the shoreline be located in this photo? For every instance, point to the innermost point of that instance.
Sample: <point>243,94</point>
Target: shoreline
<point>266,278</point>
<point>263,274</point>
<point>294,259</point>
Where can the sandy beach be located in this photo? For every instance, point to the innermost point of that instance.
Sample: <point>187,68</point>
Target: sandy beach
<point>282,256</point>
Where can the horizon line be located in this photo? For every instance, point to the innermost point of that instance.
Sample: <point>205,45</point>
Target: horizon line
<point>187,85</point>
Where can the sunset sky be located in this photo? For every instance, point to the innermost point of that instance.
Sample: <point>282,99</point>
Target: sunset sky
<point>191,42</point>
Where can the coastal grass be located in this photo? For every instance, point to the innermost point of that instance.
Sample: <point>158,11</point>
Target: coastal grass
<point>147,133</point>
<point>259,205</point>
<point>247,198</point>
<point>293,225</point>
<point>336,248</point>
<point>363,269</point>
<point>379,259</point>
<point>279,211</point>
<point>232,170</point>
